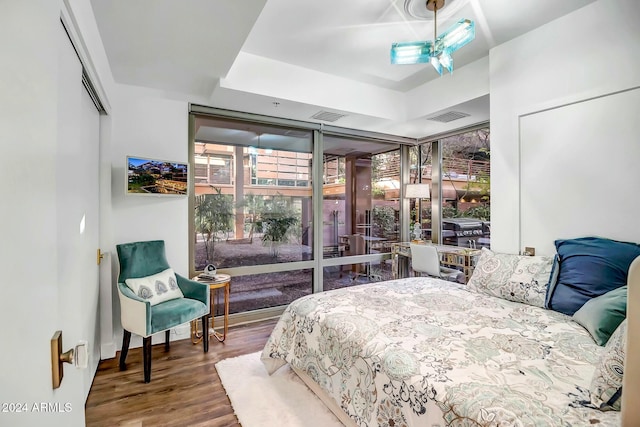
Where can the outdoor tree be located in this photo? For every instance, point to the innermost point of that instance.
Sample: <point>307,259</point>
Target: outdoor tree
<point>253,206</point>
<point>384,220</point>
<point>277,218</point>
<point>213,218</point>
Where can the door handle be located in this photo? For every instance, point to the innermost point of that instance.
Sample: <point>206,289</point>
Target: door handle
<point>99,256</point>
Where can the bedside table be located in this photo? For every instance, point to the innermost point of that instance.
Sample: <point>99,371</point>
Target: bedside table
<point>222,282</point>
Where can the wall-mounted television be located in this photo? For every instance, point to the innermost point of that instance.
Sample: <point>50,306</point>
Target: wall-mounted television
<point>153,177</point>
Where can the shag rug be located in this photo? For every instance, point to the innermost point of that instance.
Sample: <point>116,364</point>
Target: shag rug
<point>262,400</point>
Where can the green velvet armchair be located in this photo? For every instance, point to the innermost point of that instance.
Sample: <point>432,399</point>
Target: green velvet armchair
<point>154,299</point>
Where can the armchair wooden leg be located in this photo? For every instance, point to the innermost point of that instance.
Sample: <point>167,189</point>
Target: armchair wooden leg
<point>205,333</point>
<point>166,340</point>
<point>126,338</point>
<point>146,353</point>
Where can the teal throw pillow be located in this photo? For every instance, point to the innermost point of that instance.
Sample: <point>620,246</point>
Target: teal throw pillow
<point>602,315</point>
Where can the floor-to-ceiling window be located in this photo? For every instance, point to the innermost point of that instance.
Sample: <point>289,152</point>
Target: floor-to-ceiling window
<point>420,172</point>
<point>252,209</point>
<point>465,187</point>
<point>254,214</point>
<point>360,209</point>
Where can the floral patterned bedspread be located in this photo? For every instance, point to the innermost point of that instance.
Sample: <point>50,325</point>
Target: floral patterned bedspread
<point>425,352</point>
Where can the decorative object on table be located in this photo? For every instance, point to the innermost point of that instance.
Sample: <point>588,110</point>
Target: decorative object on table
<point>209,272</point>
<point>417,231</point>
<point>419,192</point>
<point>146,311</point>
<point>437,52</point>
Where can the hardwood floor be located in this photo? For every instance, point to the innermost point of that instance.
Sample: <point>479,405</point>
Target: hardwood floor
<point>185,389</point>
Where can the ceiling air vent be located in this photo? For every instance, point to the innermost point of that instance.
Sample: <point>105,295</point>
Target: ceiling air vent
<point>327,116</point>
<point>448,116</point>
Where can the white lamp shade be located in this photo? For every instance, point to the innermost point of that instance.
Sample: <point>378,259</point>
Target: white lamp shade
<point>417,191</point>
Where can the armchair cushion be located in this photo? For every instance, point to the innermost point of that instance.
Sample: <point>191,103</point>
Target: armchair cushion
<point>176,312</point>
<point>156,288</point>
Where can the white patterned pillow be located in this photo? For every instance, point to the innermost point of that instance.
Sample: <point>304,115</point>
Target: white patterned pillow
<point>606,384</point>
<point>512,277</point>
<point>157,288</point>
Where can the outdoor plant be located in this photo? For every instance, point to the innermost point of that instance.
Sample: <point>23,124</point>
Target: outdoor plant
<point>253,206</point>
<point>377,192</point>
<point>480,212</point>
<point>450,212</point>
<point>277,219</point>
<point>384,220</point>
<point>213,218</point>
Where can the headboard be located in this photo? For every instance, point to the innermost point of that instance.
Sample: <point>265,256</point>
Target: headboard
<point>631,379</point>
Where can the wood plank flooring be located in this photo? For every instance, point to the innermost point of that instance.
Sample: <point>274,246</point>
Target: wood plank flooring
<point>185,389</point>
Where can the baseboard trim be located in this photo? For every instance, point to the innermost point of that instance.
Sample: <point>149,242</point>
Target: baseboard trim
<point>107,350</point>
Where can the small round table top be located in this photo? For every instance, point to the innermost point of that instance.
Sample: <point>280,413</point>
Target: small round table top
<point>220,279</point>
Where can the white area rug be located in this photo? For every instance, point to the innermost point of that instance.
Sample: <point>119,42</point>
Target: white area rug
<point>281,400</point>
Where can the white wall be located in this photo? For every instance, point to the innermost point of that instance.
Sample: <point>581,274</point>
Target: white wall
<point>599,171</point>
<point>146,124</point>
<point>28,227</point>
<point>30,35</point>
<point>582,57</point>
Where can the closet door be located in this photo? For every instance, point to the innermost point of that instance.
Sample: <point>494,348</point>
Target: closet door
<point>77,183</point>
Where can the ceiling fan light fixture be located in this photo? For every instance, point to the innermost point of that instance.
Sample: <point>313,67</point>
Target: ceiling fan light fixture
<point>434,5</point>
<point>411,52</point>
<point>439,52</point>
<point>458,35</point>
<point>436,64</point>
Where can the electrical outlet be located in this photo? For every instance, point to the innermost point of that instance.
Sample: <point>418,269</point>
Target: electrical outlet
<point>529,251</point>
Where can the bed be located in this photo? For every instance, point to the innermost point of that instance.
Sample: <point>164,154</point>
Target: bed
<point>422,351</point>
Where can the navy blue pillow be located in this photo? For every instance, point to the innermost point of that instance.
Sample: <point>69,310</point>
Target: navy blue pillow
<point>588,267</point>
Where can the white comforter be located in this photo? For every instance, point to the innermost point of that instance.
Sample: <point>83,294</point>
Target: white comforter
<point>424,352</point>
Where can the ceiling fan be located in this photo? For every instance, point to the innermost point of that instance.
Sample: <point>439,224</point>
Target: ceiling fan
<point>437,52</point>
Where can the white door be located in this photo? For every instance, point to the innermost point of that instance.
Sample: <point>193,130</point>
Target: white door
<point>77,173</point>
<point>48,271</point>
